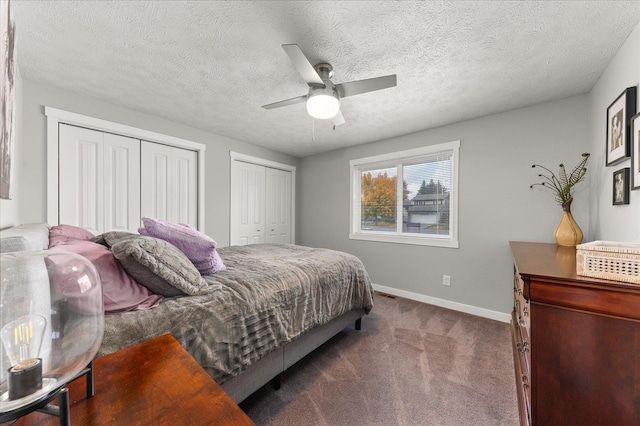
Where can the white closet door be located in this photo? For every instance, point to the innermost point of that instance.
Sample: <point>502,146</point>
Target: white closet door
<point>184,176</point>
<point>121,183</point>
<point>169,183</point>
<point>278,206</point>
<point>81,178</point>
<point>99,180</point>
<point>247,204</point>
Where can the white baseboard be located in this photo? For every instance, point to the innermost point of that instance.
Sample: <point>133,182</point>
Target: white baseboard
<point>461,307</point>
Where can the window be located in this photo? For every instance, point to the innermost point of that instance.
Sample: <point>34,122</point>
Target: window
<point>408,197</point>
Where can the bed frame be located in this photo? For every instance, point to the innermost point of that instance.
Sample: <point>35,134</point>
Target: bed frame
<point>275,363</point>
<point>36,237</point>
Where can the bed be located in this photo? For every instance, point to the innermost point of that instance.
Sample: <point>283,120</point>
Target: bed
<point>271,306</point>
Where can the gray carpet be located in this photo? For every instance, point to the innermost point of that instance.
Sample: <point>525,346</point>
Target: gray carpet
<point>412,364</point>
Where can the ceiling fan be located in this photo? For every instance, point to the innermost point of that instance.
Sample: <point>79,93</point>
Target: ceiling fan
<point>323,99</point>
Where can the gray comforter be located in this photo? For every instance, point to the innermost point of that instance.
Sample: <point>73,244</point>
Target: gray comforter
<point>268,295</point>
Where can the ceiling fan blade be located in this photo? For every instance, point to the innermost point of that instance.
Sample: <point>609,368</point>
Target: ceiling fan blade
<point>363,86</point>
<point>302,64</point>
<point>286,102</point>
<point>338,119</point>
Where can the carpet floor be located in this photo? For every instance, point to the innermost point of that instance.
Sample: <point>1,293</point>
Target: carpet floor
<point>411,364</point>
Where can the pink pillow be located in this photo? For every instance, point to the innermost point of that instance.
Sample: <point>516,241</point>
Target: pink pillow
<point>120,293</point>
<point>199,248</point>
<point>63,233</point>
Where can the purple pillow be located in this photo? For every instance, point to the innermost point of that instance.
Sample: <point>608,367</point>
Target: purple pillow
<point>199,248</point>
<point>120,293</point>
<point>64,233</point>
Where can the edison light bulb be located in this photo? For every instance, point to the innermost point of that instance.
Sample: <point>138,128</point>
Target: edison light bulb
<point>22,340</point>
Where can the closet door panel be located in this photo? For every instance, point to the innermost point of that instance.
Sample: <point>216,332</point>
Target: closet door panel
<point>184,203</point>
<point>247,204</point>
<point>169,183</point>
<point>81,178</point>
<point>240,205</point>
<point>278,206</point>
<point>121,183</point>
<point>284,201</point>
<point>256,207</point>
<point>154,180</point>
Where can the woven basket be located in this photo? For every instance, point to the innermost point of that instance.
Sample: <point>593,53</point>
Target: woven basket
<point>609,260</point>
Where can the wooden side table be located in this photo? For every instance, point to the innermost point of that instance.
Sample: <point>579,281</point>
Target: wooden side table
<point>156,382</point>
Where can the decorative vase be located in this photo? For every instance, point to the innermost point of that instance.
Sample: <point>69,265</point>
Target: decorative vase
<point>568,233</point>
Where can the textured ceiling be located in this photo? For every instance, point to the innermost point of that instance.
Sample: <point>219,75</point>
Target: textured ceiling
<point>212,65</point>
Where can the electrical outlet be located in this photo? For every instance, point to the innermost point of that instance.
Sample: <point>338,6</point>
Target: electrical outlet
<point>446,280</point>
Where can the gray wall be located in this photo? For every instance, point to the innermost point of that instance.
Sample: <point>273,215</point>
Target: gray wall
<point>32,173</point>
<point>496,204</point>
<point>609,222</point>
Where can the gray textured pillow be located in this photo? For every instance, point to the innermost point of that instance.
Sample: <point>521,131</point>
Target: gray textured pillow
<point>110,238</point>
<point>158,265</point>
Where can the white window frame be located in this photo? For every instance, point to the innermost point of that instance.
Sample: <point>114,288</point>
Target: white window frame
<point>397,159</point>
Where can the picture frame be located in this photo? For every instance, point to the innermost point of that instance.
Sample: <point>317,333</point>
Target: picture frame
<point>619,113</point>
<point>7,96</point>
<point>635,152</point>
<point>621,186</point>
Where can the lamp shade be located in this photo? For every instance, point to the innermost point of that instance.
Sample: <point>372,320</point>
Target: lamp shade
<point>51,323</point>
<point>323,103</point>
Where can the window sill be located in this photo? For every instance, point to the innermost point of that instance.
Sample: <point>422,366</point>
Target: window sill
<point>405,239</point>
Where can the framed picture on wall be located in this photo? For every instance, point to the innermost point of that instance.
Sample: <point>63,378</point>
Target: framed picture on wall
<point>7,95</point>
<point>619,116</point>
<point>635,152</point>
<point>621,187</point>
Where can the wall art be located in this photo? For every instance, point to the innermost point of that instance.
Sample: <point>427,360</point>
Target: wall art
<point>619,115</point>
<point>635,152</point>
<point>7,95</point>
<point>621,187</point>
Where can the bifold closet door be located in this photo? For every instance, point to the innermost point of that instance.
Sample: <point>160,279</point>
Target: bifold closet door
<point>99,180</point>
<point>278,206</point>
<point>169,179</point>
<point>260,204</point>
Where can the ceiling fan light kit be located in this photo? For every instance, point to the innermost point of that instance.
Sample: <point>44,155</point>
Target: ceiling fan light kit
<point>323,100</point>
<point>323,103</point>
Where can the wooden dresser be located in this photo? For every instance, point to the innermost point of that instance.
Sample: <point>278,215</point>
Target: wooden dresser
<point>576,342</point>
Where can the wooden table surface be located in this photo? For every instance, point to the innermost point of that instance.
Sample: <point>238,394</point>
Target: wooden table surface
<point>154,383</point>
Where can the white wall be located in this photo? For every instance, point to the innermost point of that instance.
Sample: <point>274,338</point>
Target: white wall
<point>9,209</point>
<point>32,176</point>
<point>496,204</point>
<point>609,222</point>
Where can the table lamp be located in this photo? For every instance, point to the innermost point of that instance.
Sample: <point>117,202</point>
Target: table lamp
<point>51,326</point>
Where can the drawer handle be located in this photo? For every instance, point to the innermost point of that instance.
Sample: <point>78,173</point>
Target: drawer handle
<point>522,347</point>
